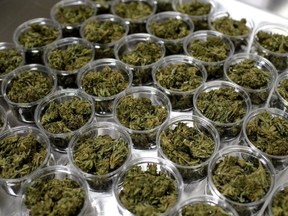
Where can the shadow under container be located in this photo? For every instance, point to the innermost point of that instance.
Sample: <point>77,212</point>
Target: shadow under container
<point>149,183</point>
<point>172,28</point>
<point>238,28</point>
<point>257,77</point>
<point>140,52</point>
<point>225,105</point>
<point>135,12</point>
<point>34,35</point>
<point>117,154</point>
<point>67,119</point>
<point>246,184</point>
<point>210,48</point>
<point>70,14</point>
<point>12,58</point>
<point>141,111</point>
<point>24,111</point>
<point>188,142</point>
<point>268,42</point>
<point>67,182</point>
<point>13,185</point>
<point>278,203</point>
<point>104,83</point>
<point>179,83</point>
<point>206,205</point>
<point>102,6</point>
<point>198,10</point>
<point>104,31</point>
<point>265,131</point>
<point>66,57</point>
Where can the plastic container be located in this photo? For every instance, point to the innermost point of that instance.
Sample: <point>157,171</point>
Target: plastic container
<point>24,111</point>
<point>79,53</point>
<point>61,173</point>
<point>137,21</point>
<point>189,149</point>
<point>85,112</point>
<point>207,200</point>
<point>173,34</point>
<point>250,186</point>
<point>198,13</point>
<point>280,193</point>
<point>211,57</point>
<point>268,75</point>
<point>241,39</point>
<point>103,6</point>
<point>104,31</point>
<point>13,58</point>
<point>104,82</point>
<point>13,186</point>
<point>274,141</point>
<point>147,45</point>
<point>153,103</point>
<point>101,183</point>
<point>181,84</point>
<point>45,31</point>
<point>70,14</point>
<point>142,164</point>
<point>278,58</point>
<point>229,131</point>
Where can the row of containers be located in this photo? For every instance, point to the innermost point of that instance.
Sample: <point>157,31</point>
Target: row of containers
<point>122,87</point>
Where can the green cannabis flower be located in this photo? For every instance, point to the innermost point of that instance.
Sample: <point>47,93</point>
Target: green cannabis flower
<point>279,203</point>
<point>100,155</point>
<point>29,86</point>
<point>133,10</point>
<point>10,59</point>
<point>73,14</point>
<point>272,41</point>
<point>269,133</point>
<point>67,116</point>
<point>195,8</point>
<point>54,197</point>
<point>203,209</point>
<point>186,145</point>
<point>20,156</point>
<point>283,89</point>
<point>241,180</point>
<point>73,57</point>
<point>38,35</point>
<point>148,192</point>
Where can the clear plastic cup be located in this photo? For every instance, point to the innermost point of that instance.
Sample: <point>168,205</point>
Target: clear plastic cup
<point>276,206</point>
<point>257,95</point>
<point>61,173</point>
<point>24,111</point>
<point>189,150</point>
<point>142,71</point>
<point>100,182</point>
<point>164,5</point>
<point>229,131</point>
<point>137,23</point>
<point>67,65</point>
<point>70,14</point>
<point>196,202</point>
<point>181,100</point>
<point>198,15</point>
<point>45,31</point>
<point>272,144</point>
<point>249,185</point>
<point>103,104</point>
<point>13,58</point>
<point>142,164</point>
<point>238,34</point>
<point>173,35</point>
<point>69,118</point>
<point>278,99</point>
<point>13,185</point>
<point>278,56</point>
<point>217,58</point>
<point>157,104</point>
<point>103,31</point>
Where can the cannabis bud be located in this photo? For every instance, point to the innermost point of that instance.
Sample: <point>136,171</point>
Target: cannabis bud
<point>10,58</point>
<point>279,202</point>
